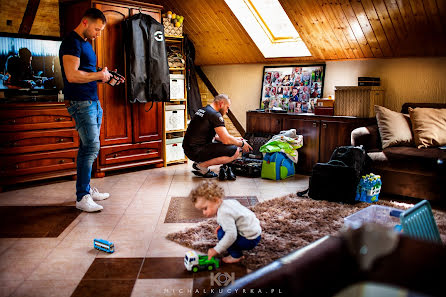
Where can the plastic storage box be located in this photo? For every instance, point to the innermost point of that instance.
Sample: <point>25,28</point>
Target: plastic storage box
<point>177,86</point>
<point>174,149</point>
<point>174,117</point>
<point>373,214</point>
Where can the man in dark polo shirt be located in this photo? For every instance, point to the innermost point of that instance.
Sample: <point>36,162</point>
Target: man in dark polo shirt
<point>207,142</point>
<point>78,63</point>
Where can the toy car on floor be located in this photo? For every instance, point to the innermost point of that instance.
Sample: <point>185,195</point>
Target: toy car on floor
<point>195,262</point>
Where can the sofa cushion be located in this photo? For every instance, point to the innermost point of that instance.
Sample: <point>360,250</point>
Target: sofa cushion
<point>429,126</point>
<point>394,127</point>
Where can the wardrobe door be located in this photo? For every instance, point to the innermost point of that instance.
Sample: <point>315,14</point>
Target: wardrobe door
<point>117,123</point>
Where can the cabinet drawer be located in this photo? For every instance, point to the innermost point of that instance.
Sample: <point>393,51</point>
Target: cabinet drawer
<point>34,141</point>
<point>25,164</point>
<point>129,152</point>
<point>35,119</point>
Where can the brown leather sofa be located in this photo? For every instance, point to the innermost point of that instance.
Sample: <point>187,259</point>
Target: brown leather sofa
<point>333,263</point>
<point>404,170</point>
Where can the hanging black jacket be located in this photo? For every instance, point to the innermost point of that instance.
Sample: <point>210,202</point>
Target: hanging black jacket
<point>193,92</point>
<point>147,67</point>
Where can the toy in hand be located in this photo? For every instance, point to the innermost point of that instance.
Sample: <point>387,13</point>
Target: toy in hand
<point>195,262</point>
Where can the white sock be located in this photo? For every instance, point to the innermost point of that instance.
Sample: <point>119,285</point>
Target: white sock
<point>203,170</point>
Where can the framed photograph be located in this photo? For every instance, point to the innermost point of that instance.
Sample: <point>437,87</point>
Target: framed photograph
<point>292,88</point>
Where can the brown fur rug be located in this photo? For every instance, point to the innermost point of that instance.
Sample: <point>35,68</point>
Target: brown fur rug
<point>288,223</point>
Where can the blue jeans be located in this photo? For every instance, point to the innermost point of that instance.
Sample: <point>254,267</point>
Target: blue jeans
<point>240,244</point>
<point>88,118</point>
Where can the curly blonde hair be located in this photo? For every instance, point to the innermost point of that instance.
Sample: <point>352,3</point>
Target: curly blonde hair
<point>208,190</point>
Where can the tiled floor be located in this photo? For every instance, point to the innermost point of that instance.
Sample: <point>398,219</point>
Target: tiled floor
<point>133,218</point>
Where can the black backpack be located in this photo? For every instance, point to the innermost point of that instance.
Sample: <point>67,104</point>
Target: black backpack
<point>337,179</point>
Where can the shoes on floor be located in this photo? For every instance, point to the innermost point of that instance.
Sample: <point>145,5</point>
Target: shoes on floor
<point>229,174</point>
<point>222,173</point>
<point>98,196</point>
<point>88,205</point>
<point>209,174</point>
<point>226,173</point>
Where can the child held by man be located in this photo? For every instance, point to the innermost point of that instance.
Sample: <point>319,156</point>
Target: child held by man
<point>238,229</point>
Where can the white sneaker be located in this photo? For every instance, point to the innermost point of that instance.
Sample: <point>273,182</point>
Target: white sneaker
<point>87,204</point>
<point>98,196</point>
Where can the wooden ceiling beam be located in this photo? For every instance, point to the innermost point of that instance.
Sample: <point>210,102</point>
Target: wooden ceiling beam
<point>29,16</point>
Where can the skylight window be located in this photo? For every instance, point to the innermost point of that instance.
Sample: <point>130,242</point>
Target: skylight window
<point>269,27</point>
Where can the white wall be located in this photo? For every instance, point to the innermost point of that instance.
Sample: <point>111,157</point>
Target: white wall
<point>404,80</point>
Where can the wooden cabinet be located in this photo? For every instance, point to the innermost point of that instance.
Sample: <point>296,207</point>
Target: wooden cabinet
<point>127,129</point>
<point>322,134</point>
<point>37,141</point>
<point>309,129</point>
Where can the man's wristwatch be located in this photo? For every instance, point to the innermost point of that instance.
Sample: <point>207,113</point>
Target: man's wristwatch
<point>243,143</point>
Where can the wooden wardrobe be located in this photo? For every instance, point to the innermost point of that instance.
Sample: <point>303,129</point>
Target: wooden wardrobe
<point>130,136</point>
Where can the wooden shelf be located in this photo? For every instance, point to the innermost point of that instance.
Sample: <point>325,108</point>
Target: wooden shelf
<point>174,37</point>
<point>176,69</point>
<point>177,161</point>
<point>176,100</point>
<point>173,131</point>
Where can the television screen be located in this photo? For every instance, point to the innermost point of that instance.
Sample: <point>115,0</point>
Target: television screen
<point>29,63</point>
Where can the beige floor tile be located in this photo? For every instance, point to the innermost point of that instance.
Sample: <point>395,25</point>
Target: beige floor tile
<point>79,233</point>
<point>127,248</point>
<point>131,233</point>
<point>111,208</point>
<point>74,248</point>
<point>163,287</point>
<point>7,287</point>
<point>6,243</point>
<point>17,268</point>
<point>25,248</point>
<point>67,268</point>
<point>162,247</point>
<point>100,219</point>
<point>143,220</point>
<point>47,288</point>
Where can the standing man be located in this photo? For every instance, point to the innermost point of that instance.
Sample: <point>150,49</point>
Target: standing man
<point>206,126</point>
<point>78,63</point>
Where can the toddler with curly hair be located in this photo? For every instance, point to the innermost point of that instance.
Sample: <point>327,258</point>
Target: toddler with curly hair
<point>238,229</point>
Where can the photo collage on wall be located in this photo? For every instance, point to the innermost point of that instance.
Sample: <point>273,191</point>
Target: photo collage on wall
<point>292,88</point>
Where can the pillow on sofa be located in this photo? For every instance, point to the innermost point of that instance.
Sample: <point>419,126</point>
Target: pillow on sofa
<point>429,126</point>
<point>394,127</point>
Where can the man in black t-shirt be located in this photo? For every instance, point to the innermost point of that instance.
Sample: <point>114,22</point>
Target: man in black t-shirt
<point>207,142</point>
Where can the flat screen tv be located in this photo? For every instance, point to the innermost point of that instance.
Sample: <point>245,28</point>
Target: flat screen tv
<point>29,65</point>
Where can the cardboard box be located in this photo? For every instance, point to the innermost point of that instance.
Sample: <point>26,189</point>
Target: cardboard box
<point>324,102</point>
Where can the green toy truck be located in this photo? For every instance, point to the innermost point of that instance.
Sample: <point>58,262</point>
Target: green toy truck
<point>195,262</point>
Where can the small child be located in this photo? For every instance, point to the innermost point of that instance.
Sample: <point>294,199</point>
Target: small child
<point>238,229</point>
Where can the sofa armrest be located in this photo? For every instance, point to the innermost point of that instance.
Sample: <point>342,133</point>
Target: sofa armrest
<point>368,137</point>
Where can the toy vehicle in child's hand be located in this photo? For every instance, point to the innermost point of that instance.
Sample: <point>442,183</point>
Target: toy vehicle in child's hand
<point>195,262</point>
<point>103,245</point>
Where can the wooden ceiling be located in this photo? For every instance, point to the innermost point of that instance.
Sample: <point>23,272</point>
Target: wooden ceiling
<point>331,29</point>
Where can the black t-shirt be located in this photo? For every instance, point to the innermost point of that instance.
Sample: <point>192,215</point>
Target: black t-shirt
<point>201,129</point>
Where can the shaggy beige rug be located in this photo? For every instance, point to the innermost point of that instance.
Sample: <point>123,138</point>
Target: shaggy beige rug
<point>288,223</point>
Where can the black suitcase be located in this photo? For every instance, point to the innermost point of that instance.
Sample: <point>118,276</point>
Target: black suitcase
<point>333,181</point>
<point>246,167</point>
<point>337,179</point>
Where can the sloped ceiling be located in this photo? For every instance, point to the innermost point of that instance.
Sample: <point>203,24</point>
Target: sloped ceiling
<point>331,29</point>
